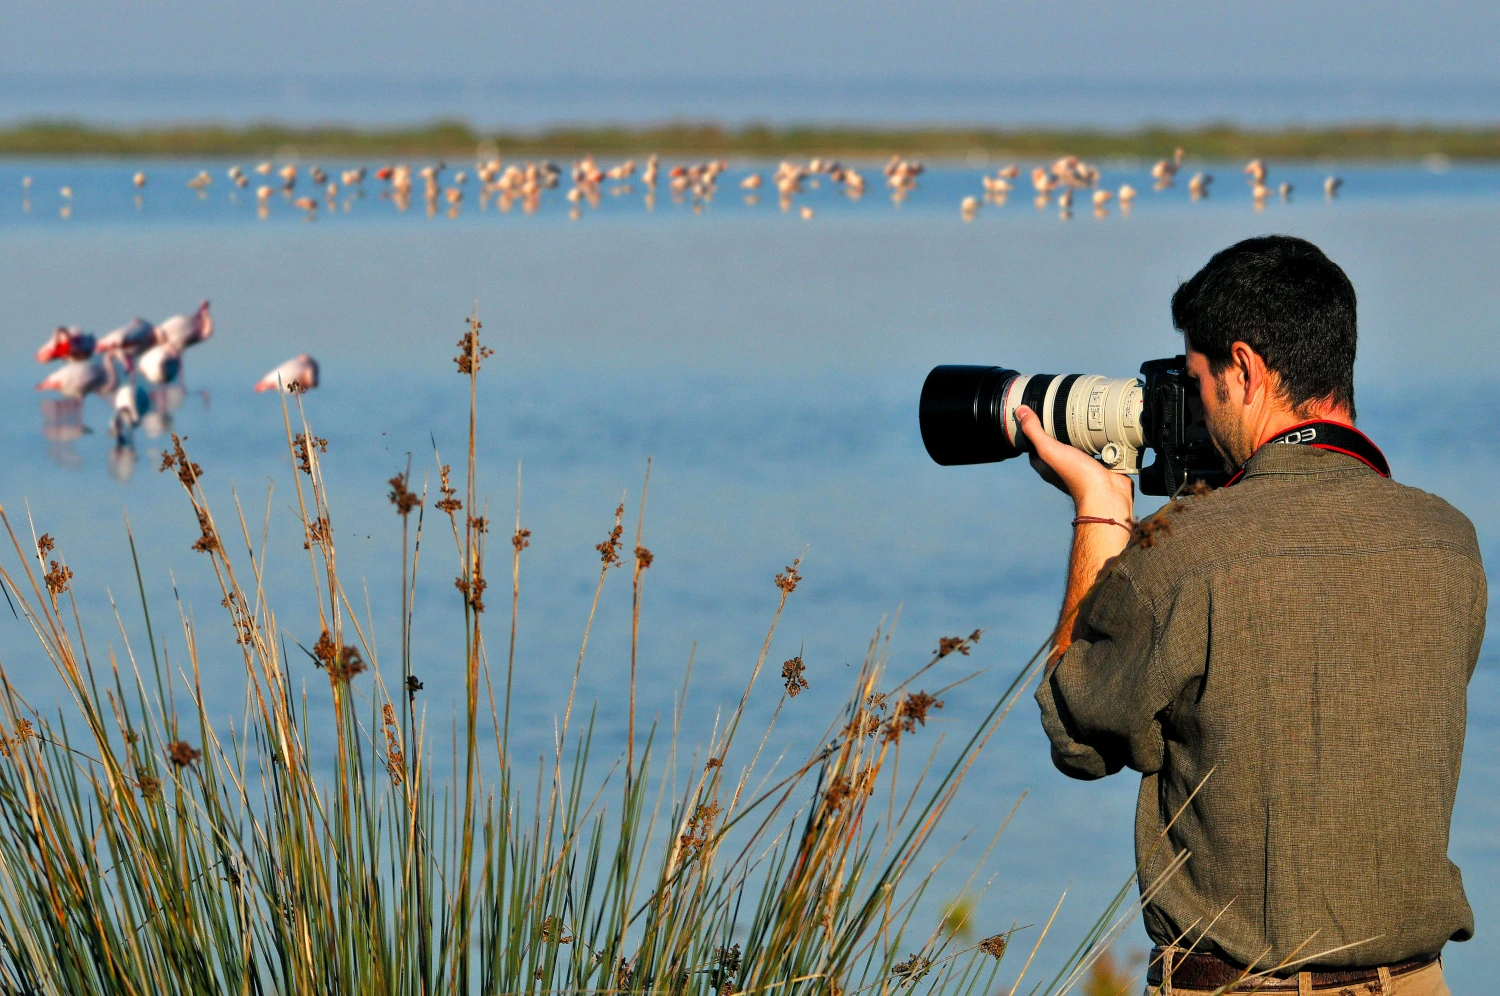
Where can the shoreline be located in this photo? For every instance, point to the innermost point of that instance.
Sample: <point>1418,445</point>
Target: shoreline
<point>1370,143</point>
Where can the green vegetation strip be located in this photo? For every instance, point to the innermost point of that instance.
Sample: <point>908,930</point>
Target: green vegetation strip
<point>449,138</point>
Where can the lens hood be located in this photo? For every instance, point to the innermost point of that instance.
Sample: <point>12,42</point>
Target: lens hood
<point>962,415</point>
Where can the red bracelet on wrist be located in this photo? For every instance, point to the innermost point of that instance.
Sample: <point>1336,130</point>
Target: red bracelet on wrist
<point>1129,527</point>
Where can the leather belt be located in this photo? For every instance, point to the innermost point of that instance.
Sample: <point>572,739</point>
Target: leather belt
<point>1209,972</point>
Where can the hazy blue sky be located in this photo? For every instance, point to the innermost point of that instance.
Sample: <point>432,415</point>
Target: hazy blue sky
<point>1383,46</point>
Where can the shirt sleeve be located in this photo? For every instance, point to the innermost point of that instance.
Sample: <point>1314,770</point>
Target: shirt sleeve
<point>1100,705</point>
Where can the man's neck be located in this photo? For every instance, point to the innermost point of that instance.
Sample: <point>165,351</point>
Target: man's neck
<point>1279,420</point>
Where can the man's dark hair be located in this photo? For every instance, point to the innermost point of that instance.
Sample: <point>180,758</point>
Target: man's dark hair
<point>1284,299</point>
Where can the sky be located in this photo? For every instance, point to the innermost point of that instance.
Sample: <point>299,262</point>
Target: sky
<point>1304,60</point>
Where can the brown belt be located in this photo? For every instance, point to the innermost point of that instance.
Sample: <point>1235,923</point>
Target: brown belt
<point>1206,971</point>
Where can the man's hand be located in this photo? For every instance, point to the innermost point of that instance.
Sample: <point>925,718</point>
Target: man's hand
<point>1095,489</point>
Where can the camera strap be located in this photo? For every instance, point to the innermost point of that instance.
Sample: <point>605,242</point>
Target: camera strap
<point>1333,436</point>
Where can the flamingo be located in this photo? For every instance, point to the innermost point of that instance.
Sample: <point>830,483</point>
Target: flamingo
<point>161,364</point>
<point>182,331</point>
<point>131,403</point>
<point>1165,170</point>
<point>79,378</point>
<point>70,343</point>
<point>299,373</point>
<point>129,340</point>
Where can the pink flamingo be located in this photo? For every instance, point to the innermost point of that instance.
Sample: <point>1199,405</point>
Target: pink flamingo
<point>183,331</point>
<point>78,378</point>
<point>299,373</point>
<point>161,364</point>
<point>67,343</point>
<point>129,340</point>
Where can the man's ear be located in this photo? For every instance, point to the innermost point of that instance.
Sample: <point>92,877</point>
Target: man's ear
<point>1251,370</point>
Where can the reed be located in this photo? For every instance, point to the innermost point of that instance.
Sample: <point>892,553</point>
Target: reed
<point>147,850</point>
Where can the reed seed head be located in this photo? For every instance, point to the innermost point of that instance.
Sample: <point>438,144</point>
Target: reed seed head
<point>695,837</point>
<point>181,753</point>
<point>341,663</point>
<point>643,558</point>
<point>413,686</point>
<point>305,445</point>
<point>177,459</point>
<point>956,644</point>
<point>909,713</point>
<point>1151,530</point>
<point>150,787</point>
<point>521,539</point>
<point>24,732</point>
<point>843,789</point>
<point>912,969</point>
<point>208,542</point>
<point>45,545</point>
<point>470,352</point>
<point>449,504</point>
<point>994,946</point>
<point>319,533</point>
<point>788,580</point>
<point>791,673</point>
<point>609,550</point>
<point>395,758</point>
<point>554,931</point>
<point>403,497</point>
<point>472,589</point>
<point>57,579</point>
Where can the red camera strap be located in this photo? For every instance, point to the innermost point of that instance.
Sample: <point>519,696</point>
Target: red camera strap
<point>1334,436</point>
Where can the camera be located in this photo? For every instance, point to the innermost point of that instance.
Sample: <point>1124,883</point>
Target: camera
<point>968,415</point>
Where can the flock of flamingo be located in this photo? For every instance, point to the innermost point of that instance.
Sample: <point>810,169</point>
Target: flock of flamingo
<point>138,369</point>
<point>1069,174</point>
<point>524,184</point>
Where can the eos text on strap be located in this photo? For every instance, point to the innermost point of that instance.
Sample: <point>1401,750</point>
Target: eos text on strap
<point>1334,436</point>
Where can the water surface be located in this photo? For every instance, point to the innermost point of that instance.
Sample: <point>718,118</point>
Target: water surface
<point>769,366</point>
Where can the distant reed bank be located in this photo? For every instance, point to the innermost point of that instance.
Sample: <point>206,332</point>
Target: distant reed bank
<point>1375,142</point>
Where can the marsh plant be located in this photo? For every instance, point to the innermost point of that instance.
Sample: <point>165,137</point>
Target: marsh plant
<point>148,849</point>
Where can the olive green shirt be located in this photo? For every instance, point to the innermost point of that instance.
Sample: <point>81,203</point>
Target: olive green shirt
<point>1299,645</point>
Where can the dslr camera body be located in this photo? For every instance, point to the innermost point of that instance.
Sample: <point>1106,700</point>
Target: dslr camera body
<point>968,415</point>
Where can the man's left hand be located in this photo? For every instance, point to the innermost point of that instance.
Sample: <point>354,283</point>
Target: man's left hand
<point>1095,489</point>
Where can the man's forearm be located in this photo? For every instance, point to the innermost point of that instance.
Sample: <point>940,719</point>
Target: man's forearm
<point>1095,545</point>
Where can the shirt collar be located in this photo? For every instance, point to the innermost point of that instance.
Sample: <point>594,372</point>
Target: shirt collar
<point>1301,460</point>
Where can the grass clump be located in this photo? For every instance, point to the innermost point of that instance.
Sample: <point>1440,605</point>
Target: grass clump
<point>148,850</point>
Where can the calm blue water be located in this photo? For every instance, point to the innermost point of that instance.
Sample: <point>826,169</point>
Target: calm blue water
<point>769,366</point>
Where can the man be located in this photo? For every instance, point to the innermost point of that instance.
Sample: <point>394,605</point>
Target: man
<point>1285,660</point>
